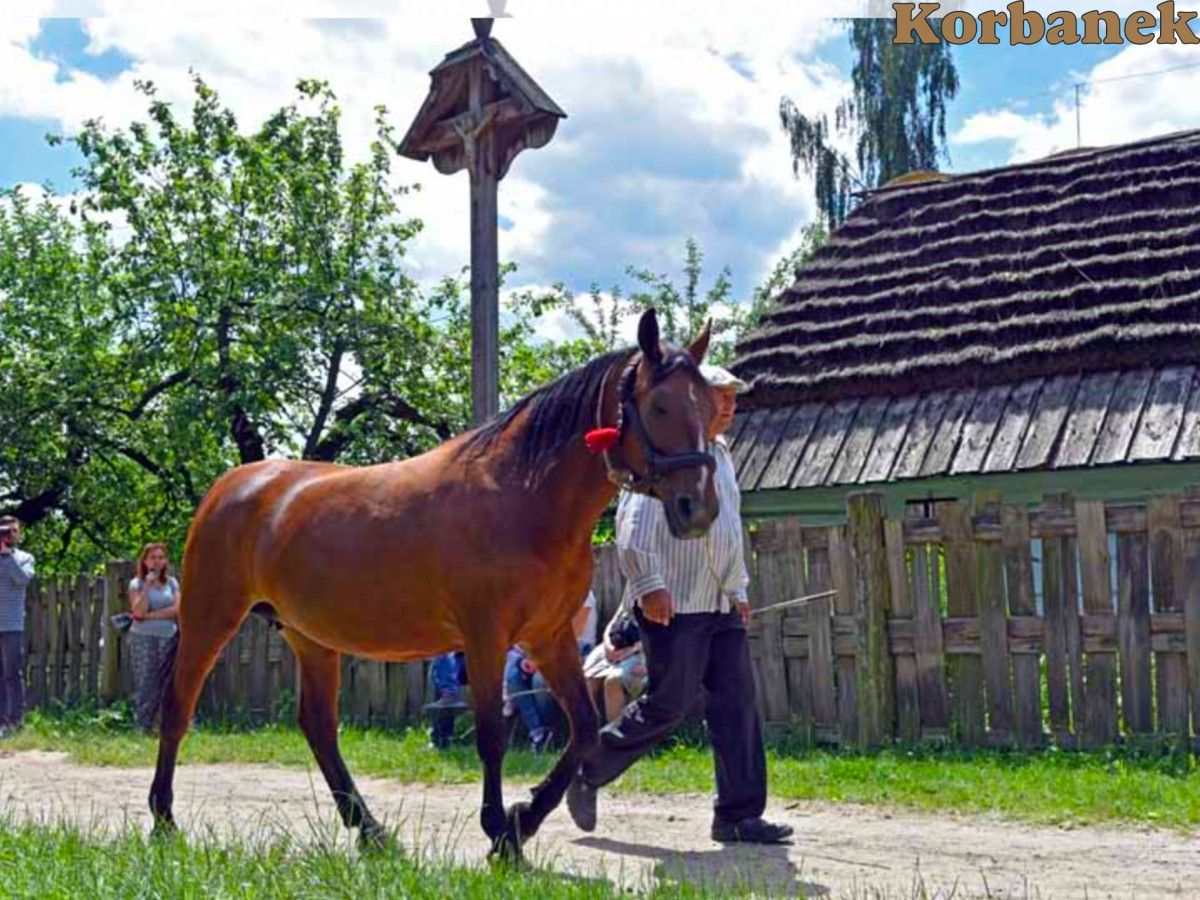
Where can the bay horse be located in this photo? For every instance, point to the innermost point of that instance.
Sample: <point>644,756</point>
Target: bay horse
<point>478,544</point>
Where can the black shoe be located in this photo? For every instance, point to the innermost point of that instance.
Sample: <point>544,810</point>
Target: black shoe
<point>581,803</point>
<point>750,831</point>
<point>449,701</point>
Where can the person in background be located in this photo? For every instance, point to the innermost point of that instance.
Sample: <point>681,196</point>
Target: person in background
<point>154,602</point>
<point>616,669</point>
<point>526,690</point>
<point>16,571</point>
<point>584,624</point>
<point>448,673</point>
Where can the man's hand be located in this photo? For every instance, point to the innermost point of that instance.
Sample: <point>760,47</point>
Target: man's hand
<point>613,654</point>
<point>658,607</point>
<point>744,612</point>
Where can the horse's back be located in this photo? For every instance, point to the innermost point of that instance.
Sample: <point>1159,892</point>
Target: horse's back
<point>254,485</point>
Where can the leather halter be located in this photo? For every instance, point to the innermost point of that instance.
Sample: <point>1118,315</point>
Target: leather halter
<point>658,464</point>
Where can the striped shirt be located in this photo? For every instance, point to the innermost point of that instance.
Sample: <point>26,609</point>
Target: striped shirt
<point>701,575</point>
<point>16,571</point>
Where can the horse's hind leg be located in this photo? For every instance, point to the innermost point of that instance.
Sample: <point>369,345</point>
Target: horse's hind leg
<point>200,642</point>
<point>320,671</point>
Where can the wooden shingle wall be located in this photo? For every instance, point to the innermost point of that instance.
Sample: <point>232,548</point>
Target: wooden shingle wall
<point>1104,418</point>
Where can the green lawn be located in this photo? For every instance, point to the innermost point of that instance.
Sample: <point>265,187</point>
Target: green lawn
<point>1152,786</point>
<point>65,863</point>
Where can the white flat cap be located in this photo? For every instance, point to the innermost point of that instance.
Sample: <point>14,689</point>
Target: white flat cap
<point>722,378</point>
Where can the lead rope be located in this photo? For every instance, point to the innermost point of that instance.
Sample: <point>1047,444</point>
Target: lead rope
<point>712,562</point>
<point>712,569</point>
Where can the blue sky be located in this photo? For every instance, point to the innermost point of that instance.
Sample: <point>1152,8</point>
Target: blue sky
<point>26,156</point>
<point>672,129</point>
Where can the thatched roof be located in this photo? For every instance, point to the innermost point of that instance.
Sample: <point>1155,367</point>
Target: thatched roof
<point>1081,262</point>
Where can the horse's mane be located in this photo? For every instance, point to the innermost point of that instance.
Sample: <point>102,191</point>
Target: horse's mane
<point>559,413</point>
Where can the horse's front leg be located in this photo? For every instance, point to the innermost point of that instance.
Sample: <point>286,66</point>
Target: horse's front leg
<point>561,666</point>
<point>485,669</point>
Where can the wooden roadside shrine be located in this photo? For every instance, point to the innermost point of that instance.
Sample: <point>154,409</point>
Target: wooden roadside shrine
<point>482,109</point>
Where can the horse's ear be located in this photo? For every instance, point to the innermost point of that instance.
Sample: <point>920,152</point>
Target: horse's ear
<point>648,337</point>
<point>699,347</point>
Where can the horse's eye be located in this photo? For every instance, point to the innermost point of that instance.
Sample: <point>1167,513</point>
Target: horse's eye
<point>658,409</point>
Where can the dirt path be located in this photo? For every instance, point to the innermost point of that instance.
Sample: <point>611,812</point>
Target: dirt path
<point>840,850</point>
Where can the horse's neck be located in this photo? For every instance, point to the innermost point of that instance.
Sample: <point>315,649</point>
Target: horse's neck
<point>582,476</point>
<point>579,486</point>
<point>577,490</point>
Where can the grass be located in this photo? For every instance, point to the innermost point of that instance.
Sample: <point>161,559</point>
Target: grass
<point>60,861</point>
<point>1154,785</point>
<point>57,861</point>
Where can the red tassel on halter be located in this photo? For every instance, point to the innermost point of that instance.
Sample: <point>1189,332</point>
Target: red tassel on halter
<point>600,439</point>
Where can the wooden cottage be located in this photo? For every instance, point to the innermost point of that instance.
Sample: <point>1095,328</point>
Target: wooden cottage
<point>1007,362</point>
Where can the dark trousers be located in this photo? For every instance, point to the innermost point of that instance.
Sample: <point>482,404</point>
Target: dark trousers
<point>447,673</point>
<point>708,650</point>
<point>12,677</point>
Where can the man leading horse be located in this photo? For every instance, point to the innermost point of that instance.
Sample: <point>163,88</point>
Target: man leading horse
<point>690,601</point>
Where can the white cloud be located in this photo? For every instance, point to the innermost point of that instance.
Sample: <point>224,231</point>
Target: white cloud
<point>1114,107</point>
<point>672,129</point>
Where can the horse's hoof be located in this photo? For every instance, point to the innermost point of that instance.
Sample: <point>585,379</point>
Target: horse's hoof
<point>374,838</point>
<point>164,829</point>
<point>517,830</point>
<point>506,853</point>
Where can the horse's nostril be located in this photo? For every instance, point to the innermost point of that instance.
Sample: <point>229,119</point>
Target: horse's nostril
<point>684,505</point>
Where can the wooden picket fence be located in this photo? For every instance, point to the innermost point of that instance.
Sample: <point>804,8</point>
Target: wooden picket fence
<point>1076,622</point>
<point>65,640</point>
<point>74,656</point>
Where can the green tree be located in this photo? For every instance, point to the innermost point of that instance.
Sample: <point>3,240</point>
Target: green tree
<point>218,297</point>
<point>261,273</point>
<point>683,306</point>
<point>895,117</point>
<point>49,288</point>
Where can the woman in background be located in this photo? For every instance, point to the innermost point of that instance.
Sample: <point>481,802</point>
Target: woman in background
<point>154,602</point>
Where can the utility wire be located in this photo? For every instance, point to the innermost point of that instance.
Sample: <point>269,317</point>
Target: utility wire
<point>1068,85</point>
<point>1077,85</point>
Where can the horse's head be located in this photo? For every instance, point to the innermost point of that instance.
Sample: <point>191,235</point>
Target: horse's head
<point>667,408</point>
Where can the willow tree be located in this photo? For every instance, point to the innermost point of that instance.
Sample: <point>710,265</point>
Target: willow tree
<point>895,118</point>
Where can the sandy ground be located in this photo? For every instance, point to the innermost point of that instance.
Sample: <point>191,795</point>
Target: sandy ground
<point>839,851</point>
